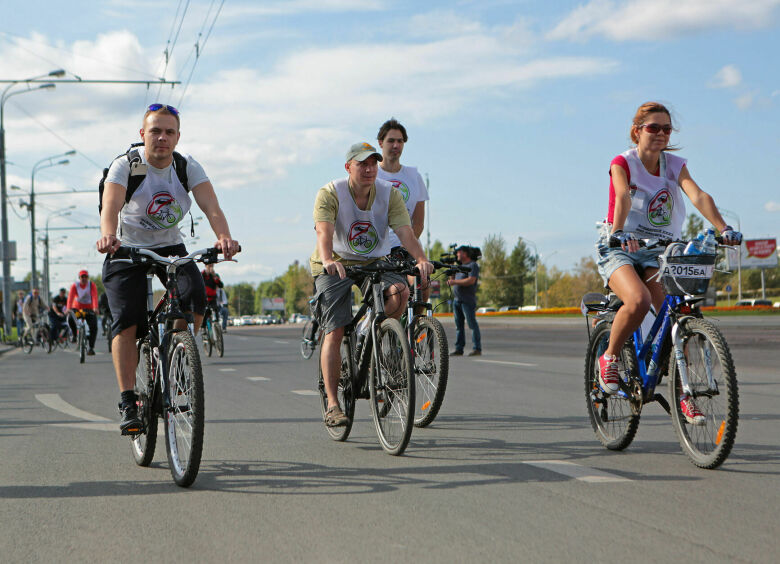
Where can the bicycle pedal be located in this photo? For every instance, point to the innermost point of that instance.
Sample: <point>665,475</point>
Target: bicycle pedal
<point>133,430</point>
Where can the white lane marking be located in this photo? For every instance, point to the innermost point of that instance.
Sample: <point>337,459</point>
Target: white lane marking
<point>306,392</point>
<point>54,401</point>
<point>282,342</point>
<point>227,369</point>
<point>507,362</point>
<point>258,378</point>
<point>89,426</point>
<point>578,472</point>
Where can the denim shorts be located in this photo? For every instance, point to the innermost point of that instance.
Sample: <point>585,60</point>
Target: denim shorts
<point>610,259</point>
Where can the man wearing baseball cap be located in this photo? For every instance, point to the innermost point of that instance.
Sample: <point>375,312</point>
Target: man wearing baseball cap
<point>352,219</point>
<point>83,296</point>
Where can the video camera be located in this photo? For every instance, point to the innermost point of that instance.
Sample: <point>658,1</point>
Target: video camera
<point>450,257</point>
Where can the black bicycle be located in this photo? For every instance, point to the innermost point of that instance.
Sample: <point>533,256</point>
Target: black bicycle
<point>38,335</point>
<point>107,321</point>
<point>428,344</point>
<point>169,378</point>
<point>212,332</point>
<point>311,336</point>
<point>376,364</point>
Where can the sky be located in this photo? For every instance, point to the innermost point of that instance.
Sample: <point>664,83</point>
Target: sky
<point>514,110</point>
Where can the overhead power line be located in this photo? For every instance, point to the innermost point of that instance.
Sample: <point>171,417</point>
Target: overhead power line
<point>200,47</point>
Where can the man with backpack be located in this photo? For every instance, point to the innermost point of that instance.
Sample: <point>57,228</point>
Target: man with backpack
<point>144,195</point>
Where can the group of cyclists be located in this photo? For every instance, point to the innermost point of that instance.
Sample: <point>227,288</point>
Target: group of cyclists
<point>361,219</point>
<point>60,315</point>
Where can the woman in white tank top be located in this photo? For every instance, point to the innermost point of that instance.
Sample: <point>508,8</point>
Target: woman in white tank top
<point>646,201</point>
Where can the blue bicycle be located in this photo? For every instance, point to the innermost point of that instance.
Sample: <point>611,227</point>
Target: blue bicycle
<point>682,345</point>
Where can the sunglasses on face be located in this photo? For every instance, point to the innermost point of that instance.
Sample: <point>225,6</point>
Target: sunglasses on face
<point>656,128</point>
<point>157,107</point>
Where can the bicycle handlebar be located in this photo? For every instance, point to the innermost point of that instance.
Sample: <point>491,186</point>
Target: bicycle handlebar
<point>135,255</point>
<point>653,243</point>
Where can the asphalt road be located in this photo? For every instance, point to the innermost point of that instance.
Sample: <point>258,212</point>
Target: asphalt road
<point>510,470</point>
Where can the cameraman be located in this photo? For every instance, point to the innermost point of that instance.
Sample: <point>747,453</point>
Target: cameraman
<point>464,289</point>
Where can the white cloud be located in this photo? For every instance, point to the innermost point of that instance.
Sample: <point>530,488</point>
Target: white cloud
<point>772,206</point>
<point>650,20</point>
<point>727,77</point>
<point>745,101</point>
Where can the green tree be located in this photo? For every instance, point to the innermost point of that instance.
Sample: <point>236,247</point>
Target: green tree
<point>519,267</point>
<point>694,224</point>
<point>242,299</point>
<point>493,272</point>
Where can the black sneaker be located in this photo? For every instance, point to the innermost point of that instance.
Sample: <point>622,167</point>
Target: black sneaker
<point>475,352</point>
<point>130,424</point>
<point>456,353</point>
<point>91,352</point>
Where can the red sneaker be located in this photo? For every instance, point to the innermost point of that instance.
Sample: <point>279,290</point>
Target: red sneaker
<point>690,411</point>
<point>609,375</point>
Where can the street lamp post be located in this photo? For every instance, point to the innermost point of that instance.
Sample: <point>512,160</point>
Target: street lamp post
<point>41,164</point>
<point>3,207</point>
<point>58,213</point>
<point>536,273</point>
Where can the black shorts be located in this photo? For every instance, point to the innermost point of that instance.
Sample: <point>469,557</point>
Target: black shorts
<point>126,290</point>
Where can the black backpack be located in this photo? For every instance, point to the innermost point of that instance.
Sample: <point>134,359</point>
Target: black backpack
<point>134,180</point>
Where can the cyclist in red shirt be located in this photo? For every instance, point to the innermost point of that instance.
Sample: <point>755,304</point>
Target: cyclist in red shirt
<point>212,281</point>
<point>83,296</point>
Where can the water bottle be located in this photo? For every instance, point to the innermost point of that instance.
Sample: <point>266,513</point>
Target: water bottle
<point>695,246</point>
<point>362,326</point>
<point>709,245</point>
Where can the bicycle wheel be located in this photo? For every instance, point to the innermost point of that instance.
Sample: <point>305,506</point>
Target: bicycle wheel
<point>345,394</point>
<point>184,420</point>
<point>431,366</point>
<point>219,340</point>
<point>208,342</point>
<point>142,446</point>
<point>43,339</point>
<point>713,383</point>
<point>307,345</point>
<point>391,385</point>
<point>612,416</point>
<point>28,343</point>
<point>82,341</point>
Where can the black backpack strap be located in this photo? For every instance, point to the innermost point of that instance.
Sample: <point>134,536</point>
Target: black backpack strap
<point>180,166</point>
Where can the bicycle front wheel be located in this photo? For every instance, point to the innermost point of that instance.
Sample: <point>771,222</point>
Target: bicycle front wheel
<point>208,342</point>
<point>612,416</point>
<point>391,385</point>
<point>345,393</point>
<point>219,340</point>
<point>28,343</point>
<point>713,382</point>
<point>43,339</point>
<point>143,445</point>
<point>431,366</point>
<point>307,345</point>
<point>184,419</point>
<point>82,345</point>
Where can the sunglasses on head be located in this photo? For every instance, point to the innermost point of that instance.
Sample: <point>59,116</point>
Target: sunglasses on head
<point>656,128</point>
<point>157,107</point>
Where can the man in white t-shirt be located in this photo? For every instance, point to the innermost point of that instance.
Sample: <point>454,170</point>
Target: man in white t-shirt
<point>149,219</point>
<point>392,138</point>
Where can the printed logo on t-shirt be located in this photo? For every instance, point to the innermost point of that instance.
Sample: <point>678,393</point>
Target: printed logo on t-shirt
<point>659,211</point>
<point>363,237</point>
<point>402,188</point>
<point>164,210</point>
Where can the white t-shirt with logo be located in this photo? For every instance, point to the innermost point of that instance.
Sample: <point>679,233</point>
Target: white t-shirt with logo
<point>160,202</point>
<point>410,184</point>
<point>657,206</point>
<point>361,234</point>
